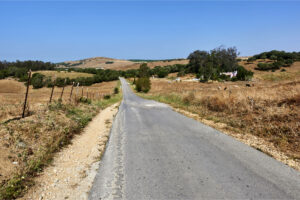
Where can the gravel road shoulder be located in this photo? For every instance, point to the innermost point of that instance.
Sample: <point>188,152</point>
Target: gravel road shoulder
<point>74,168</point>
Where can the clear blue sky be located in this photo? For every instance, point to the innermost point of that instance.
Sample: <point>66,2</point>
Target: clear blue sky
<point>58,31</point>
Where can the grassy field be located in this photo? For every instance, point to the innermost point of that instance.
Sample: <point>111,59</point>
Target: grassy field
<point>268,110</point>
<point>289,74</point>
<point>12,94</point>
<point>28,144</point>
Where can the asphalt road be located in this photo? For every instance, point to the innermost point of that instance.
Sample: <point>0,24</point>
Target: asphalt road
<point>156,153</point>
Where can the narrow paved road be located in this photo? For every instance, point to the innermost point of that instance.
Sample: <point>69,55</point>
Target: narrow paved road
<point>156,153</point>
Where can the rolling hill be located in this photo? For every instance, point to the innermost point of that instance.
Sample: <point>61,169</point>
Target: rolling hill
<point>118,64</point>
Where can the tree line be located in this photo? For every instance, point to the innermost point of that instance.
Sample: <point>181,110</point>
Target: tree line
<point>207,65</point>
<point>278,59</point>
<point>19,69</point>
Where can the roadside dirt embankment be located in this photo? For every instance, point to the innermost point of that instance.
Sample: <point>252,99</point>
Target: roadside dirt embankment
<point>73,169</point>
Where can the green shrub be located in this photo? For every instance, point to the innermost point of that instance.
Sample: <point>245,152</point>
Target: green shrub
<point>163,72</point>
<point>48,82</point>
<point>269,66</point>
<point>107,96</point>
<point>233,79</point>
<point>143,84</point>
<point>251,59</point>
<point>180,74</point>
<point>2,75</point>
<point>116,90</point>
<point>60,82</point>
<point>243,74</point>
<point>37,80</point>
<point>85,100</point>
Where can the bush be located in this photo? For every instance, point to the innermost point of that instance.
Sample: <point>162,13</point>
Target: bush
<point>60,82</point>
<point>48,82</point>
<point>85,100</point>
<point>189,98</point>
<point>224,77</point>
<point>243,74</point>
<point>116,90</point>
<point>251,59</point>
<point>162,73</point>
<point>267,67</point>
<point>2,75</point>
<point>37,80</point>
<point>180,74</point>
<point>107,96</point>
<point>233,79</point>
<point>143,84</point>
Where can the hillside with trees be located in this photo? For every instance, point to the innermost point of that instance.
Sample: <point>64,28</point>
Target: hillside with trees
<point>276,60</point>
<point>207,65</point>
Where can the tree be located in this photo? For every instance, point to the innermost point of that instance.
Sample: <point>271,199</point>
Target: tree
<point>163,72</point>
<point>197,60</point>
<point>273,57</point>
<point>263,56</point>
<point>143,84</point>
<point>209,65</point>
<point>144,70</point>
<point>37,80</point>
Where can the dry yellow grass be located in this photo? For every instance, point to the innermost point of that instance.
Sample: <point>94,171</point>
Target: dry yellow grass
<point>64,74</point>
<point>28,144</point>
<point>117,64</point>
<point>291,73</point>
<point>12,94</point>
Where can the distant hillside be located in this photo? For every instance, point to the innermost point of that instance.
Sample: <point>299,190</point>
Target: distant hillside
<point>117,64</point>
<point>97,62</point>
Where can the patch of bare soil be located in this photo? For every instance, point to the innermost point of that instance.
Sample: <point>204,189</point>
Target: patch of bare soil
<point>249,139</point>
<point>74,168</point>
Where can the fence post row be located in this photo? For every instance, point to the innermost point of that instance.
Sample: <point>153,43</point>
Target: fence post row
<point>26,95</point>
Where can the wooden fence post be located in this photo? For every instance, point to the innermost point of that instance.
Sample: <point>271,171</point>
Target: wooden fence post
<point>26,95</point>
<point>82,92</point>
<point>54,82</point>
<point>62,92</point>
<point>71,91</point>
<point>77,87</point>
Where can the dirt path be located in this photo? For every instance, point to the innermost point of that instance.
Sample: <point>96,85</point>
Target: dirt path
<point>74,168</point>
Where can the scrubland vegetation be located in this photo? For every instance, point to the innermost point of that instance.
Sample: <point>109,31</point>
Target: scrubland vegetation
<point>275,60</point>
<point>28,144</point>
